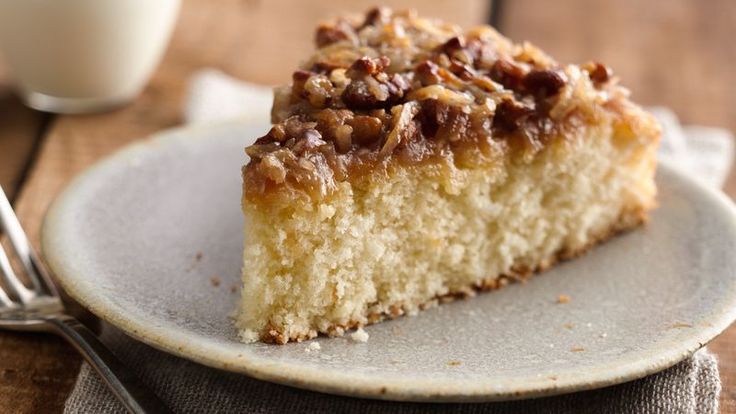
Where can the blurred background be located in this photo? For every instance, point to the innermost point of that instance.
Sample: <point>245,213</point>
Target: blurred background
<point>674,53</point>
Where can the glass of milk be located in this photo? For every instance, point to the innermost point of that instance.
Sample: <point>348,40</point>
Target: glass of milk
<point>77,56</point>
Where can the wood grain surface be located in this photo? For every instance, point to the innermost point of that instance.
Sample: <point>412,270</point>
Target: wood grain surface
<point>20,130</point>
<point>669,52</point>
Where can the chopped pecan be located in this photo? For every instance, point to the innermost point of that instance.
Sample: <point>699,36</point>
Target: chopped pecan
<point>508,74</point>
<point>397,86</point>
<point>310,139</point>
<point>544,82</point>
<point>257,151</point>
<point>598,72</point>
<point>318,91</point>
<point>299,78</point>
<point>433,114</point>
<point>367,66</point>
<point>266,139</point>
<point>277,133</point>
<point>357,96</point>
<point>401,82</point>
<point>454,126</point>
<point>329,34</point>
<point>376,15</point>
<point>427,73</point>
<point>326,66</point>
<point>379,89</point>
<point>453,45</point>
<point>461,70</point>
<point>371,88</point>
<point>510,115</point>
<point>366,129</point>
<point>328,120</point>
<point>273,168</point>
<point>343,138</point>
<point>295,126</point>
<point>476,50</point>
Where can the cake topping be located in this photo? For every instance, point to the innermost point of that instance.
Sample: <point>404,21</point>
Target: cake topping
<point>395,87</point>
<point>598,72</point>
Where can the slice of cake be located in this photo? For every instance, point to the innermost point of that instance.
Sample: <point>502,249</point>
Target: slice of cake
<point>410,161</point>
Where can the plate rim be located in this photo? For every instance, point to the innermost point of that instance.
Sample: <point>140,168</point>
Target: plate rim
<point>171,340</point>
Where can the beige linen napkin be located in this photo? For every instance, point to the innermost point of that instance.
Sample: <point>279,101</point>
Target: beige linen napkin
<point>689,387</point>
<point>693,386</point>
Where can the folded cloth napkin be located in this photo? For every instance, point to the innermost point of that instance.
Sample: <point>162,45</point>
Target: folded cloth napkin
<point>692,386</point>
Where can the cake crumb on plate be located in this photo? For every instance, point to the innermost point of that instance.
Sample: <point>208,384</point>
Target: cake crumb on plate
<point>313,347</point>
<point>195,261</point>
<point>248,336</point>
<point>360,335</point>
<point>562,299</point>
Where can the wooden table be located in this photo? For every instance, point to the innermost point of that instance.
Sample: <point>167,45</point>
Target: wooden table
<point>677,53</point>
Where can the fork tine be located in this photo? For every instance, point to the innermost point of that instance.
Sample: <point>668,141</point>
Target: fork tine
<point>33,267</point>
<point>11,280</point>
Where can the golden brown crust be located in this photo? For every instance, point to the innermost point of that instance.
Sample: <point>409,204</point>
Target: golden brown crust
<point>628,220</point>
<point>393,88</point>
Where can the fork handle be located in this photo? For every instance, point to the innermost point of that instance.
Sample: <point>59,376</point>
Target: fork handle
<point>129,390</point>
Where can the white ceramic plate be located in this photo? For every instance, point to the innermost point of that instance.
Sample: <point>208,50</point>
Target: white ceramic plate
<point>139,238</point>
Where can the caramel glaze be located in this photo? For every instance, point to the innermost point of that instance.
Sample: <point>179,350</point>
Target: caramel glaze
<point>393,90</point>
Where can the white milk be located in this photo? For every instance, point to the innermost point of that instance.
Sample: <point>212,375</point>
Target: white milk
<point>83,55</point>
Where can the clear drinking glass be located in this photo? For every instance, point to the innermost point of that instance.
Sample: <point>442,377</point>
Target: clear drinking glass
<point>77,56</point>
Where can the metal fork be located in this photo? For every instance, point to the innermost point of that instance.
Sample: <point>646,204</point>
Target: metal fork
<point>38,307</point>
